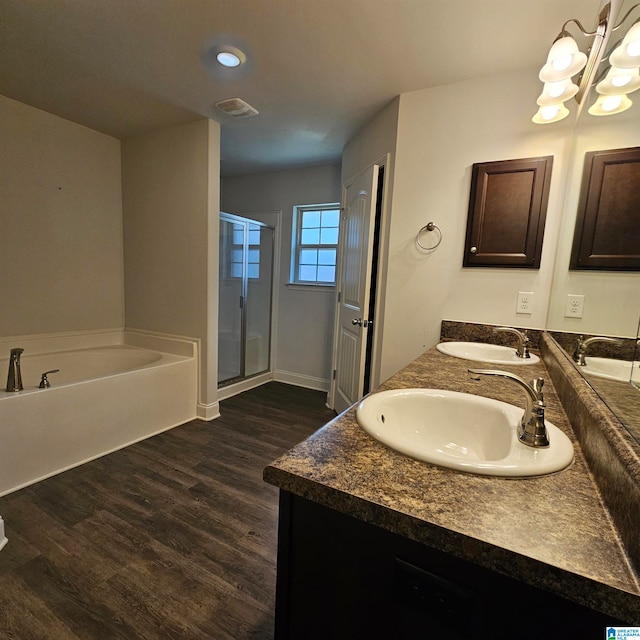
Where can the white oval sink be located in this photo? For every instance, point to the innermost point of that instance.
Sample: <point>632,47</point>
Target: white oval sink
<point>608,368</point>
<point>460,431</point>
<point>482,352</point>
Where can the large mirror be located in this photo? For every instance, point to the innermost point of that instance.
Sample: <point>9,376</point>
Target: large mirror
<point>611,299</point>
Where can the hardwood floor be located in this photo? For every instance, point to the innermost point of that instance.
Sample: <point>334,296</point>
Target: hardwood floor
<point>173,537</point>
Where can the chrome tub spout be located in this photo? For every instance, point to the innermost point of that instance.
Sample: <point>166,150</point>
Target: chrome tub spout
<point>14,377</point>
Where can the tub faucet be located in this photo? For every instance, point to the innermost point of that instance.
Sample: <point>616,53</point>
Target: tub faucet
<point>523,340</point>
<point>582,344</point>
<point>532,430</point>
<point>44,380</point>
<point>14,378</point>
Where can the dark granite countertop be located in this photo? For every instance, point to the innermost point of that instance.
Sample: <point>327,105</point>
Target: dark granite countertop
<point>552,531</point>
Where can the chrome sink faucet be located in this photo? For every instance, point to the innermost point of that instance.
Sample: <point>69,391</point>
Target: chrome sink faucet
<point>523,340</point>
<point>582,344</point>
<point>14,377</point>
<point>532,430</point>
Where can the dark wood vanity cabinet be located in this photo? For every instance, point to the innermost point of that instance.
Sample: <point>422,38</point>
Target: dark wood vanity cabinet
<point>340,578</point>
<point>507,213</point>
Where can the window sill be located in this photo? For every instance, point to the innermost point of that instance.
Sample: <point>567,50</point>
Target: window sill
<point>299,286</point>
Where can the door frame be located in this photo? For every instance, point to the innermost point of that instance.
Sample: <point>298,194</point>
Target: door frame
<point>384,200</point>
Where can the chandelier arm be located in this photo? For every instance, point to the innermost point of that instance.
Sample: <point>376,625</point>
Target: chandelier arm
<point>626,15</point>
<point>577,22</point>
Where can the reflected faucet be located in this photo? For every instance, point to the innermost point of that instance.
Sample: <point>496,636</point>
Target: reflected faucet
<point>523,340</point>
<point>532,430</point>
<point>582,344</point>
<point>14,377</point>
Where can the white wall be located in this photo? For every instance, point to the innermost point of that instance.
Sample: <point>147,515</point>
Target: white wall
<point>171,203</point>
<point>441,133</point>
<point>61,255</point>
<point>304,322</point>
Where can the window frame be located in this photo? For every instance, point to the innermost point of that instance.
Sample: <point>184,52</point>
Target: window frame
<point>297,246</point>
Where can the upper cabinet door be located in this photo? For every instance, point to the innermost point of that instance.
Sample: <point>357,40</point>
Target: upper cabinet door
<point>607,234</point>
<point>507,212</point>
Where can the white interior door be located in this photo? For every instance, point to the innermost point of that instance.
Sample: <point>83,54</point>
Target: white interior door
<point>354,280</point>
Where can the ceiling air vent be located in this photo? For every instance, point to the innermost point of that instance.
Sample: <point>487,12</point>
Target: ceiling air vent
<point>237,108</point>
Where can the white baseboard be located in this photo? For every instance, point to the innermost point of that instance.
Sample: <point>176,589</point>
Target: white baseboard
<point>244,385</point>
<point>208,411</point>
<point>301,380</point>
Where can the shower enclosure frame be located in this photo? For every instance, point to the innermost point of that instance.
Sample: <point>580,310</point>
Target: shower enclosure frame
<point>245,298</point>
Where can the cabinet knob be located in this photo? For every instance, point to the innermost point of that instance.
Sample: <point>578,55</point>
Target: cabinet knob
<point>474,249</point>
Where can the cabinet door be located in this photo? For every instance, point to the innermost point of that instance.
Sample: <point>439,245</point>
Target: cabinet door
<point>607,234</point>
<point>507,213</point>
<point>340,578</point>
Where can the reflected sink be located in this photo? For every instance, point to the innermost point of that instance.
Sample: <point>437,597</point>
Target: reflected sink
<point>608,368</point>
<point>493,353</point>
<point>460,431</point>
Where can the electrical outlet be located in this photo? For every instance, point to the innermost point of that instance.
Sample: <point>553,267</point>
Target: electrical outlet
<point>574,307</point>
<point>525,302</point>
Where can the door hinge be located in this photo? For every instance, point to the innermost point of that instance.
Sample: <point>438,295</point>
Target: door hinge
<point>334,374</point>
<point>242,302</point>
<point>339,296</point>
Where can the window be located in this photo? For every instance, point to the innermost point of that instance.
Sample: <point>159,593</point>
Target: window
<point>315,244</point>
<point>237,251</point>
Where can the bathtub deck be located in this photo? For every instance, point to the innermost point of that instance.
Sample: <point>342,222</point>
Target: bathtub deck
<point>173,537</point>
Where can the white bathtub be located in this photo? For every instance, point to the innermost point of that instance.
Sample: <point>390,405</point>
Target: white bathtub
<point>102,399</point>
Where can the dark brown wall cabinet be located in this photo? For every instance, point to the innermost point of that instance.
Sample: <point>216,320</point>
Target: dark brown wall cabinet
<point>507,212</point>
<point>607,234</point>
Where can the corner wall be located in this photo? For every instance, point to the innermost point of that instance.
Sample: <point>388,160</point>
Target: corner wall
<point>61,261</point>
<point>171,202</point>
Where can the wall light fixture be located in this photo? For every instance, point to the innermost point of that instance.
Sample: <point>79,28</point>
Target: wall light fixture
<point>614,75</point>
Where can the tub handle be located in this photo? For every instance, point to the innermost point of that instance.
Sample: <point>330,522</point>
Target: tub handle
<point>44,381</point>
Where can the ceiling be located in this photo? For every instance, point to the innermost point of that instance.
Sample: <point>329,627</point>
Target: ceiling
<point>316,69</point>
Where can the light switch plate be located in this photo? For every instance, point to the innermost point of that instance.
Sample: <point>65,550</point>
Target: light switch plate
<point>524,304</point>
<point>574,307</point>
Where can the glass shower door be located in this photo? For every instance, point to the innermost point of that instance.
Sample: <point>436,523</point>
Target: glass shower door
<point>258,299</point>
<point>244,317</point>
<point>231,292</point>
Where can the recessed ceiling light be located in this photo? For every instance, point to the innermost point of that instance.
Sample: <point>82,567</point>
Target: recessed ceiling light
<point>229,56</point>
<point>228,59</point>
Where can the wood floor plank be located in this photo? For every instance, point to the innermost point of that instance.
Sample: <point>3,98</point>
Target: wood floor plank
<point>24,615</point>
<point>173,537</point>
<point>71,602</point>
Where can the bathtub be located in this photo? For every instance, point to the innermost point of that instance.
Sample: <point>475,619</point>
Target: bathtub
<point>102,399</point>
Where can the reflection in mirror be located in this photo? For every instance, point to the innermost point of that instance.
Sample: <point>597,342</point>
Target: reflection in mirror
<point>611,299</point>
<point>608,366</point>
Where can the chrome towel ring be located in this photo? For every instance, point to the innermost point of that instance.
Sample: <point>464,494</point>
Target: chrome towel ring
<point>430,226</point>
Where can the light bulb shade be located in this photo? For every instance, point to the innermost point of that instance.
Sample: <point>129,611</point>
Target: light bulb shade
<point>557,92</point>
<point>564,61</point>
<point>618,81</point>
<point>550,113</point>
<point>608,105</point>
<point>627,55</point>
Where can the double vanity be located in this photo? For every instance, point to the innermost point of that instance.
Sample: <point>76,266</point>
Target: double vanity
<point>378,539</point>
